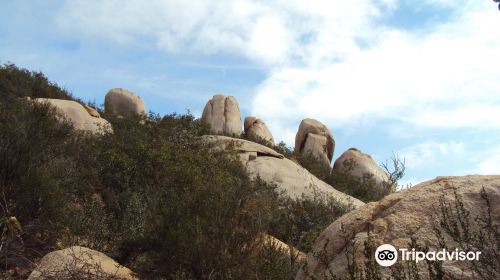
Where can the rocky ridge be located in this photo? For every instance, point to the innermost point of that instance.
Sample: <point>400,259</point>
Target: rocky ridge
<point>396,219</point>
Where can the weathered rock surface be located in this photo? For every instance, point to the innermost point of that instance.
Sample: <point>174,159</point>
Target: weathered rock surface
<point>92,111</point>
<point>81,261</point>
<point>357,163</point>
<point>78,115</point>
<point>273,168</point>
<point>398,217</point>
<point>316,139</point>
<point>122,102</point>
<point>222,114</point>
<point>256,128</point>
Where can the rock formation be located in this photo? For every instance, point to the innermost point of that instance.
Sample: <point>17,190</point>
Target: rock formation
<point>357,164</point>
<point>256,129</point>
<point>223,115</point>
<point>78,115</point>
<point>92,111</point>
<point>272,167</point>
<point>122,102</point>
<point>316,139</point>
<point>396,219</point>
<point>81,261</point>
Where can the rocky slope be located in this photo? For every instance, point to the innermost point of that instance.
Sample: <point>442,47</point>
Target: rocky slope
<point>396,219</point>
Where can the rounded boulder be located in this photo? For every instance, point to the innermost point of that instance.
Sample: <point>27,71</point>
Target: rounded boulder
<point>122,102</point>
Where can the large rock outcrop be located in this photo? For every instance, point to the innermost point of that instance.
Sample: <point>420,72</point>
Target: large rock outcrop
<point>396,219</point>
<point>272,167</point>
<point>81,261</point>
<point>359,164</point>
<point>78,115</point>
<point>316,139</point>
<point>222,114</point>
<point>256,129</point>
<point>122,102</point>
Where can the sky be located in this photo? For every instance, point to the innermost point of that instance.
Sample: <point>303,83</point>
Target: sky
<point>419,79</point>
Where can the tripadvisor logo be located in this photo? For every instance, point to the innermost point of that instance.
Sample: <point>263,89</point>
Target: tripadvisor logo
<point>387,255</point>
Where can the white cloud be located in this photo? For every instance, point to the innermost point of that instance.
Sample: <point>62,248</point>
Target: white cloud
<point>490,166</point>
<point>490,163</point>
<point>257,30</point>
<point>331,60</point>
<point>427,153</point>
<point>271,32</point>
<point>443,77</point>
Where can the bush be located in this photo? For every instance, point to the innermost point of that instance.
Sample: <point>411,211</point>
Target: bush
<point>300,221</point>
<point>165,203</point>
<point>17,83</point>
<point>36,168</point>
<point>364,188</point>
<point>35,160</point>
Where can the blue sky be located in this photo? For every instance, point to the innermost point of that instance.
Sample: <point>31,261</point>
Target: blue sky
<point>416,78</point>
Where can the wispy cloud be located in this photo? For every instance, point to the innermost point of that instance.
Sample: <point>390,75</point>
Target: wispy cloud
<point>332,60</point>
<point>489,162</point>
<point>490,166</point>
<point>431,153</point>
<point>444,77</point>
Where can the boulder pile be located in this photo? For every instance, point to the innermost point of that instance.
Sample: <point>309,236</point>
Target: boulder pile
<point>118,101</point>
<point>315,139</point>
<point>223,116</point>
<point>256,129</point>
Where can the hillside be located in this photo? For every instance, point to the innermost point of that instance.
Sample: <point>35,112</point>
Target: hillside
<point>150,194</point>
<point>175,197</point>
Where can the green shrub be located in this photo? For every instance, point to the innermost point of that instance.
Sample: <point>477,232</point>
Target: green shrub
<point>16,83</point>
<point>313,165</point>
<point>300,221</point>
<point>272,263</point>
<point>35,160</point>
<point>363,188</point>
<point>36,168</point>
